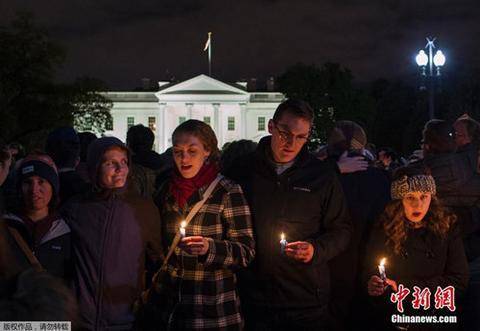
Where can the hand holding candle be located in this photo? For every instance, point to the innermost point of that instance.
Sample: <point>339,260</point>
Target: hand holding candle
<point>376,285</point>
<point>301,251</point>
<point>195,245</point>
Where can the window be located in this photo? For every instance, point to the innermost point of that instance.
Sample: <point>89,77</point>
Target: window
<point>152,123</point>
<point>109,124</point>
<point>181,119</point>
<point>231,123</point>
<point>206,119</point>
<point>261,124</point>
<point>130,122</point>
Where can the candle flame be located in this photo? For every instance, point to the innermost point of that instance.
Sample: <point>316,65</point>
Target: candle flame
<point>183,224</point>
<point>282,236</point>
<point>382,262</point>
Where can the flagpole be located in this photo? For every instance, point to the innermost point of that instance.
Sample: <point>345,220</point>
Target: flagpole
<point>210,55</point>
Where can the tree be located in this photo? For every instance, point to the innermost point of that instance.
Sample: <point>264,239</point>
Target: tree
<point>399,117</point>
<point>329,90</point>
<point>91,110</point>
<point>31,102</point>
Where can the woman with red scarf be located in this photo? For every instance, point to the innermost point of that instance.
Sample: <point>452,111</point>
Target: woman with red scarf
<point>217,241</point>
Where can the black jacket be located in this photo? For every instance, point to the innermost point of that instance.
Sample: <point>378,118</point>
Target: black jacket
<point>52,250</point>
<point>426,261</point>
<point>367,192</point>
<point>71,184</point>
<point>458,187</point>
<point>306,202</point>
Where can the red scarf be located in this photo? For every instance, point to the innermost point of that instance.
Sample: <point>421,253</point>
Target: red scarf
<point>182,188</point>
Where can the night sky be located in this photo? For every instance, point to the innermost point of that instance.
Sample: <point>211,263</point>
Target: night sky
<point>122,41</point>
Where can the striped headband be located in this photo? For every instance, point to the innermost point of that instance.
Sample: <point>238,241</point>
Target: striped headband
<point>419,183</point>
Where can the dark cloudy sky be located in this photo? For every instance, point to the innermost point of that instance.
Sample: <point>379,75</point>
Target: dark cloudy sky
<point>122,41</point>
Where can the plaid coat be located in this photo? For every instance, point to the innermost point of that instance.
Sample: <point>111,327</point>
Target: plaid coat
<point>207,285</point>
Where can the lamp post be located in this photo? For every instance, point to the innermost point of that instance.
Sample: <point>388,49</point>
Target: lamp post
<point>423,60</point>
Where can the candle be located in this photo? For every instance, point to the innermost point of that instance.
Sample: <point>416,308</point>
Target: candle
<point>381,269</point>
<point>183,224</point>
<point>283,243</point>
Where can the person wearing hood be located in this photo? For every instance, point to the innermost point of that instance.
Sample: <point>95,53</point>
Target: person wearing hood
<point>37,235</point>
<point>116,235</point>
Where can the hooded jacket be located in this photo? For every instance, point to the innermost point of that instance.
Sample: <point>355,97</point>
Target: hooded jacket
<point>115,235</point>
<point>52,250</point>
<point>306,202</point>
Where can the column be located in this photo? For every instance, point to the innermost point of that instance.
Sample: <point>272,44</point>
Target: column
<point>189,110</point>
<point>243,116</point>
<point>218,125</point>
<point>163,128</point>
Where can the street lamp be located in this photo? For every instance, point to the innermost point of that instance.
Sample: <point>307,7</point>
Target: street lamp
<point>423,60</point>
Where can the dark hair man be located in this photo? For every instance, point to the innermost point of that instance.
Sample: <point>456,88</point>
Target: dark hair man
<point>291,193</point>
<point>146,165</point>
<point>63,146</point>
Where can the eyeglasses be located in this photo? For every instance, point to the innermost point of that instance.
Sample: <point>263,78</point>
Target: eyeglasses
<point>287,136</point>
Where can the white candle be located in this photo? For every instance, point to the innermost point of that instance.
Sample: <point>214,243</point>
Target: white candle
<point>183,224</point>
<point>381,269</point>
<point>283,243</point>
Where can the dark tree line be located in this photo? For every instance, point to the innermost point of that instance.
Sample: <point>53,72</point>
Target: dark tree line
<point>31,101</point>
<point>392,112</point>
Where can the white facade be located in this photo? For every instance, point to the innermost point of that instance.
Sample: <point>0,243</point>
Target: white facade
<point>232,112</point>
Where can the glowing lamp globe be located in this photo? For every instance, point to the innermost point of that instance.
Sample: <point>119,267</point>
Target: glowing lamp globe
<point>421,58</point>
<point>439,59</point>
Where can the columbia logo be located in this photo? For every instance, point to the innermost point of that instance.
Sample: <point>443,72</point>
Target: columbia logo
<point>304,189</point>
<point>58,248</point>
<point>27,170</point>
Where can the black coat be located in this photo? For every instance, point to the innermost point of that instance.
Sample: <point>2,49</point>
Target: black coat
<point>367,192</point>
<point>53,250</point>
<point>458,187</point>
<point>426,261</point>
<point>71,184</point>
<point>307,203</point>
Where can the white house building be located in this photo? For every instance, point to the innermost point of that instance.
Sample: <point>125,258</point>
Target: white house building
<point>232,112</point>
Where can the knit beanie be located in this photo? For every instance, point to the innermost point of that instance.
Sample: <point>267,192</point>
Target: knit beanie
<point>41,166</point>
<point>347,135</point>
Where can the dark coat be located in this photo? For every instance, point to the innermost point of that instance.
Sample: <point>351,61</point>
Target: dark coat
<point>307,203</point>
<point>458,187</point>
<point>71,184</point>
<point>52,250</point>
<point>114,233</point>
<point>151,159</point>
<point>426,261</point>
<point>367,192</point>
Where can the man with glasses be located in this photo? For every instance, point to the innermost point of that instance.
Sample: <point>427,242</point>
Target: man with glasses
<point>297,197</point>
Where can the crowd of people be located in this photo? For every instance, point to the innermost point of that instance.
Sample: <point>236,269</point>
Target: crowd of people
<point>256,236</point>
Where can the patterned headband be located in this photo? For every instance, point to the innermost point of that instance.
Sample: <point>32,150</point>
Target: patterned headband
<point>404,185</point>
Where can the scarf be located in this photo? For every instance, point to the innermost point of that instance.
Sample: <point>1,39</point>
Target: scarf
<point>183,188</point>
